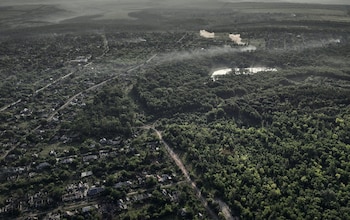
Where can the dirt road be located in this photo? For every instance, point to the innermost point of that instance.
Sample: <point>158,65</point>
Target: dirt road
<point>225,209</point>
<point>179,163</point>
<point>96,86</point>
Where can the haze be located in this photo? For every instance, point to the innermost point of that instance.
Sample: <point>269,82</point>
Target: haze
<point>120,9</point>
<point>338,2</point>
<point>157,2</point>
<point>86,2</point>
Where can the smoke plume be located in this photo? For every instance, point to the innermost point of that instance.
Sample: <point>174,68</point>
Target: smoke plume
<point>202,53</point>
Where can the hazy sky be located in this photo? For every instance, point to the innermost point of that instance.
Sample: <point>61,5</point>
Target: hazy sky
<point>345,2</point>
<point>111,9</point>
<point>9,2</point>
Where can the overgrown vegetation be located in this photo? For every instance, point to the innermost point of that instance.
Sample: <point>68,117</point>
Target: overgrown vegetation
<point>273,145</point>
<point>78,110</point>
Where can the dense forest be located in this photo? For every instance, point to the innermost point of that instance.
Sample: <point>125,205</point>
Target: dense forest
<point>273,144</point>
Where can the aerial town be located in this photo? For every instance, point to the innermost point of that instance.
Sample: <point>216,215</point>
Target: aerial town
<point>196,109</point>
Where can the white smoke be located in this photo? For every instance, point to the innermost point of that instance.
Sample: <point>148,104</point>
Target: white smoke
<point>202,53</point>
<point>236,38</point>
<point>206,34</point>
<point>314,44</point>
<point>248,48</point>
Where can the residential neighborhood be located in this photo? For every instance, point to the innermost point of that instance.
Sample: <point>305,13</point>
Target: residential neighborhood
<point>174,110</point>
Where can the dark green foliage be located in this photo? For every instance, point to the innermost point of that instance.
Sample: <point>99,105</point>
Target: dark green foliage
<point>273,145</point>
<point>110,114</point>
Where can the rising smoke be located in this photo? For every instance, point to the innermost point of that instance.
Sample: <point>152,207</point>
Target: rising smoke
<point>203,53</point>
